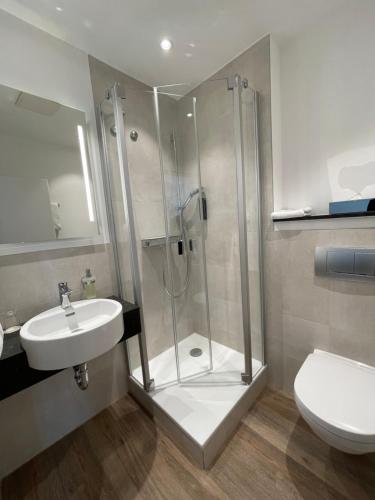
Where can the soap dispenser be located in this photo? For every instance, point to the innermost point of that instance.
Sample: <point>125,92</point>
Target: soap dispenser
<point>88,283</point>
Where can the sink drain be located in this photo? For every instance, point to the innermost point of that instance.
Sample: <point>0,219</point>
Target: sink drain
<point>196,352</point>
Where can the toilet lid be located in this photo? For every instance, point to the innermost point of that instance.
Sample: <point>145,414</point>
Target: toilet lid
<point>338,394</point>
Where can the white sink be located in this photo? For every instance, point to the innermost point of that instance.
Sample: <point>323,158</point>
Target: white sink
<point>50,343</point>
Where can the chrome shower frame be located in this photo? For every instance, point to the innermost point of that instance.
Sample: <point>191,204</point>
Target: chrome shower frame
<point>116,99</point>
<point>237,84</point>
<point>247,375</point>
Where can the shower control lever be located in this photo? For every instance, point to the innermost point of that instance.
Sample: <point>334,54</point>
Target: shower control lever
<point>203,211</point>
<point>180,245</point>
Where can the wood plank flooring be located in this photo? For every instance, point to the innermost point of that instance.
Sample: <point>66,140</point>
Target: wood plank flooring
<point>120,454</point>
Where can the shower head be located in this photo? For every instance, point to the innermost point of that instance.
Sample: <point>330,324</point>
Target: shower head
<point>188,199</point>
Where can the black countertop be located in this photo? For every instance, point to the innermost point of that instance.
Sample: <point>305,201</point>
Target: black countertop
<point>11,346</point>
<point>15,372</point>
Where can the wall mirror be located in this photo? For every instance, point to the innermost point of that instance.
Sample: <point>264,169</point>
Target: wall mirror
<point>46,188</point>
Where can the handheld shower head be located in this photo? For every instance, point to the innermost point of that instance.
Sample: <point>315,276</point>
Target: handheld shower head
<point>188,199</point>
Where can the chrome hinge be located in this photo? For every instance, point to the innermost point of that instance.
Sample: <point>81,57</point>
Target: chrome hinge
<point>231,82</point>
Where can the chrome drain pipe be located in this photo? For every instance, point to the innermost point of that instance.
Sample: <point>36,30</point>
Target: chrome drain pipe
<point>81,376</point>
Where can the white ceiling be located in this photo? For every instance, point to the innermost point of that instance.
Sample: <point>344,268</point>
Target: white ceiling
<point>206,33</point>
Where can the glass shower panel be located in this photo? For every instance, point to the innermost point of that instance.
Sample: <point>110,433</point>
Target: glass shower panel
<point>148,205</point>
<point>249,111</point>
<point>142,160</point>
<point>185,214</point>
<point>119,226</point>
<point>215,118</point>
<point>120,238</point>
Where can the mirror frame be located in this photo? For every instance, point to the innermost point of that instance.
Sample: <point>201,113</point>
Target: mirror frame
<point>96,178</point>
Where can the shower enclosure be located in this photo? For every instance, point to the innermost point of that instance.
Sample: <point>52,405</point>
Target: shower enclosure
<point>183,200</point>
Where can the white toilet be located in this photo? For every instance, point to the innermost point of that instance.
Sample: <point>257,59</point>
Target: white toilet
<point>336,397</point>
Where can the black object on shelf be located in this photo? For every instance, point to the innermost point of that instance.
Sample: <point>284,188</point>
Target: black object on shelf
<point>329,216</point>
<point>15,372</point>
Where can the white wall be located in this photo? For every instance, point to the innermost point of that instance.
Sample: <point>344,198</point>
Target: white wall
<point>33,419</point>
<point>327,111</point>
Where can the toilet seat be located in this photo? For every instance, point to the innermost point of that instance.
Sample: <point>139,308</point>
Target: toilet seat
<point>336,396</point>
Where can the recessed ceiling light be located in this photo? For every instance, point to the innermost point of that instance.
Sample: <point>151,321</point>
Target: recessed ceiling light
<point>189,115</point>
<point>59,9</point>
<point>191,44</point>
<point>166,44</point>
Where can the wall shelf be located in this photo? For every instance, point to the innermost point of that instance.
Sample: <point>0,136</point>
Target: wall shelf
<point>328,216</point>
<point>353,220</point>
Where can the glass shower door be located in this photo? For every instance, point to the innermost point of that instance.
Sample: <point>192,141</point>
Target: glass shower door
<point>217,145</point>
<point>226,119</point>
<point>185,211</point>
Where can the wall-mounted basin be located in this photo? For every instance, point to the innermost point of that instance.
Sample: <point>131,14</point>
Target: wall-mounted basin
<point>51,343</point>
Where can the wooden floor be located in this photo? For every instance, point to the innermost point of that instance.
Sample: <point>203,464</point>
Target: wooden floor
<point>120,454</point>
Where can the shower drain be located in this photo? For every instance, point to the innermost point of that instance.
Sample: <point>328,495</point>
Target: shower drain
<point>196,352</point>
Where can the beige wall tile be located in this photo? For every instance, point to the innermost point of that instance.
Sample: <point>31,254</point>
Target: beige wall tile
<point>311,312</point>
<point>28,282</point>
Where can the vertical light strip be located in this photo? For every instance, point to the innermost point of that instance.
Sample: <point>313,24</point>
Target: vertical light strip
<point>85,168</point>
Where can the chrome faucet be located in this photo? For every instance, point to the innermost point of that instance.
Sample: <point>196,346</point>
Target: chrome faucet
<point>64,294</point>
<point>70,314</point>
<point>67,306</point>
<point>63,290</point>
